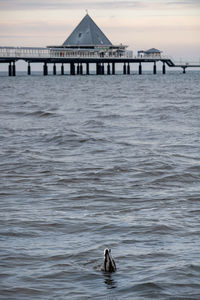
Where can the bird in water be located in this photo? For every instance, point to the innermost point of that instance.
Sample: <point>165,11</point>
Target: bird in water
<point>109,263</point>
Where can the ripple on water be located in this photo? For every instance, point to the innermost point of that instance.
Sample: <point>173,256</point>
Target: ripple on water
<point>89,163</point>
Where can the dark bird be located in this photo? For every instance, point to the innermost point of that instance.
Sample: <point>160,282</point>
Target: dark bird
<point>109,263</point>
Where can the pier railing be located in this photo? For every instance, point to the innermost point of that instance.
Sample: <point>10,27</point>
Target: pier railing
<point>9,52</point>
<point>22,52</point>
<point>63,55</point>
<point>187,64</point>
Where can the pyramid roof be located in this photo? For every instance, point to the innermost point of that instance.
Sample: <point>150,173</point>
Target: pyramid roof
<point>87,33</point>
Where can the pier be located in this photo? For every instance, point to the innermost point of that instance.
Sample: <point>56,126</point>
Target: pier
<point>87,45</point>
<point>79,62</point>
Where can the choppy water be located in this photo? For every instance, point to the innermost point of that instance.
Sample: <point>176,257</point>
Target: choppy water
<point>95,162</point>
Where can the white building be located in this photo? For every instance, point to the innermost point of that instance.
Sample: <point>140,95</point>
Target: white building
<point>155,53</point>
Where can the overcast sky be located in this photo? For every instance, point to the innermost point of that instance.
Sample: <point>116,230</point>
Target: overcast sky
<point>169,25</point>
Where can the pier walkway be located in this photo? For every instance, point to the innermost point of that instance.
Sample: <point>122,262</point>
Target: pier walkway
<point>105,63</point>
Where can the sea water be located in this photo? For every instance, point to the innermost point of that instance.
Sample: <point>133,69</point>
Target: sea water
<point>89,162</point>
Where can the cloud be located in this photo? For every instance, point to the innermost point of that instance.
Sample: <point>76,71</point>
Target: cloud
<point>77,4</point>
<point>60,4</point>
<point>183,2</point>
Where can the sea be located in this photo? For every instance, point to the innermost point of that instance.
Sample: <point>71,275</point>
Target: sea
<point>95,162</point>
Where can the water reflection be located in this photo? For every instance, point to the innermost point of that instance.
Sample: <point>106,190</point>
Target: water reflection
<point>109,281</point>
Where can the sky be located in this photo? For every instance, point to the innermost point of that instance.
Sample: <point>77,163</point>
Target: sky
<point>173,26</point>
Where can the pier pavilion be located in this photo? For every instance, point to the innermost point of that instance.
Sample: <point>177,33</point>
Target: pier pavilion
<point>86,45</point>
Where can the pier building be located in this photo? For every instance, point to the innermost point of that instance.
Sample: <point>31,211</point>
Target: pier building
<point>87,39</point>
<point>150,53</point>
<point>86,45</point>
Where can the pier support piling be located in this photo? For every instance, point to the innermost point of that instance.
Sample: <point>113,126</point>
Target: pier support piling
<point>102,69</point>
<point>81,69</point>
<point>154,68</point>
<point>78,70</point>
<point>128,69</point>
<point>62,69</point>
<point>72,69</point>
<point>124,69</point>
<point>98,68</point>
<point>10,69</point>
<point>45,69</point>
<point>54,69</point>
<point>108,69</point>
<point>87,69</point>
<point>164,69</point>
<point>184,68</point>
<point>113,68</point>
<point>29,69</point>
<point>140,69</point>
<point>13,69</point>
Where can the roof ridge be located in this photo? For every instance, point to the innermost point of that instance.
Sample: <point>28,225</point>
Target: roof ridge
<point>90,27</point>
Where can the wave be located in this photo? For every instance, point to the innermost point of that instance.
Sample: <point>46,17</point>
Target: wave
<point>20,292</point>
<point>41,114</point>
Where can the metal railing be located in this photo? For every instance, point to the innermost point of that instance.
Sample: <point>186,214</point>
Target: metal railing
<point>62,53</point>
<point>9,52</point>
<point>21,53</point>
<point>180,61</point>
